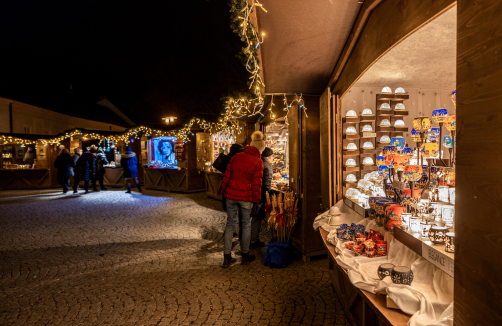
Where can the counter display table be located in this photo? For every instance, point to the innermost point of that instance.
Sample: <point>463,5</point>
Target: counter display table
<point>169,179</point>
<point>25,178</point>
<point>361,307</point>
<point>114,177</point>
<point>213,184</point>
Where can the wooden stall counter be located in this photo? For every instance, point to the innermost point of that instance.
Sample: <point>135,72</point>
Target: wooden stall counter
<point>169,179</point>
<point>213,184</point>
<point>361,307</point>
<point>114,177</point>
<point>25,178</point>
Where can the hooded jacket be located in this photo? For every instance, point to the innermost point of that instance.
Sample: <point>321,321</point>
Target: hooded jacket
<point>85,169</point>
<point>266,184</point>
<point>234,149</point>
<point>100,161</point>
<point>129,163</point>
<point>65,164</point>
<point>242,178</point>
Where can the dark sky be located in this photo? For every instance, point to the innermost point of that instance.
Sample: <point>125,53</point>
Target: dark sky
<point>150,58</point>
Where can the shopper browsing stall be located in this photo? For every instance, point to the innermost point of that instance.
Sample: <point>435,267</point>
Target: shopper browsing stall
<point>65,164</point>
<point>241,187</point>
<point>100,169</point>
<point>129,163</point>
<point>85,169</point>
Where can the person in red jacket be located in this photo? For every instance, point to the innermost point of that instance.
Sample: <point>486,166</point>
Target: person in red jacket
<point>241,188</point>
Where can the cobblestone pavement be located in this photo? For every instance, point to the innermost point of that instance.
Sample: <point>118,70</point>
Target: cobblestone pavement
<point>109,258</point>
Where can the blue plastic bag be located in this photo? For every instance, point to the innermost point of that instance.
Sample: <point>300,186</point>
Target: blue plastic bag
<point>278,254</point>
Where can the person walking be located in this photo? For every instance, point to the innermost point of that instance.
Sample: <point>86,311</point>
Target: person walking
<point>129,163</point>
<point>77,153</point>
<point>100,170</point>
<point>85,169</point>
<point>266,186</point>
<point>29,156</point>
<point>65,164</point>
<point>241,187</point>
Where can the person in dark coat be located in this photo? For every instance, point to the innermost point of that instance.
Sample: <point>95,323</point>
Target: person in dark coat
<point>241,187</point>
<point>129,163</point>
<point>85,169</point>
<point>266,186</point>
<point>234,149</point>
<point>29,156</point>
<point>65,164</point>
<point>77,153</point>
<point>100,170</point>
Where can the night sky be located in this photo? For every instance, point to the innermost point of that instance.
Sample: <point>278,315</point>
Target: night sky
<point>150,58</point>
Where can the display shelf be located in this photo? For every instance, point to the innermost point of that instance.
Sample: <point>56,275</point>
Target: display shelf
<point>401,129</point>
<point>351,153</point>
<point>345,136</point>
<point>351,168</point>
<point>349,184</point>
<point>369,168</point>
<point>385,129</point>
<point>369,151</point>
<point>385,113</point>
<point>392,97</point>
<point>362,135</point>
<point>351,120</point>
<point>401,112</point>
<point>368,118</point>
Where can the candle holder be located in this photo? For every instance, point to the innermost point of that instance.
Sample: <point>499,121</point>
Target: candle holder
<point>415,224</point>
<point>385,270</point>
<point>402,275</point>
<point>425,226</point>
<point>437,234</point>
<point>447,214</point>
<point>450,242</point>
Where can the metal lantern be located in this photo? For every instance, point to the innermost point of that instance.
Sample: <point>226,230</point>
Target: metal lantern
<point>450,242</point>
<point>422,124</point>
<point>433,134</point>
<point>451,122</point>
<point>413,172</point>
<point>439,115</point>
<point>389,160</point>
<point>380,160</point>
<point>447,141</point>
<point>400,162</point>
<point>437,234</point>
<point>408,151</point>
<point>417,193</point>
<point>429,150</point>
<point>453,97</point>
<point>383,171</point>
<point>415,136</point>
<point>398,141</point>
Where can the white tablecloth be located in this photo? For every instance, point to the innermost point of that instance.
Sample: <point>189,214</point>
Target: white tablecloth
<point>429,299</point>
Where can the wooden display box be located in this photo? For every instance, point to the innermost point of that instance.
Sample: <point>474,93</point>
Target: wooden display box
<point>368,118</point>
<point>351,120</point>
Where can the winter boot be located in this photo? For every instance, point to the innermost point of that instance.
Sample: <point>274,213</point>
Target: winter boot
<point>247,258</point>
<point>139,188</point>
<point>128,189</point>
<point>228,260</point>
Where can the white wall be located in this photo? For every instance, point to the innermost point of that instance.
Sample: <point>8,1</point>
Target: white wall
<point>42,121</point>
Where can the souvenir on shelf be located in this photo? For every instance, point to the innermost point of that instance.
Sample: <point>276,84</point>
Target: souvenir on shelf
<point>433,134</point>
<point>400,162</point>
<point>367,112</point>
<point>413,172</point>
<point>399,107</point>
<point>368,145</point>
<point>417,193</point>
<point>385,123</point>
<point>352,147</point>
<point>451,122</point>
<point>351,131</point>
<point>351,178</point>
<point>398,141</point>
<point>383,171</point>
<point>380,160</point>
<point>386,90</point>
<point>408,151</point>
<point>450,242</point>
<point>399,90</point>
<point>439,115</point>
<point>351,114</point>
<point>437,234</point>
<point>429,150</point>
<point>367,128</point>
<point>453,97</point>
<point>350,162</point>
<point>399,124</point>
<point>447,142</point>
<point>415,136</point>
<point>389,160</point>
<point>368,161</point>
<point>385,106</point>
<point>389,150</point>
<point>384,139</point>
<point>422,124</point>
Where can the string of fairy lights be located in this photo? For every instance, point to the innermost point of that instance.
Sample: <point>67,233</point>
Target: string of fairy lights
<point>234,108</point>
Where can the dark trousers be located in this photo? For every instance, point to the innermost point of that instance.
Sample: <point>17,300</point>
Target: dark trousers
<point>86,186</point>
<point>64,182</point>
<point>100,180</point>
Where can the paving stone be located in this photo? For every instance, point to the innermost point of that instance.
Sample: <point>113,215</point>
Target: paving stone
<point>110,258</point>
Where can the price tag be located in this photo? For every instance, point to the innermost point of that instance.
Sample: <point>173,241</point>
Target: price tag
<point>369,134</point>
<point>439,258</point>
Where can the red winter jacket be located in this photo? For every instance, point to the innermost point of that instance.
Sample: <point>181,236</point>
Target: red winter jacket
<point>242,178</point>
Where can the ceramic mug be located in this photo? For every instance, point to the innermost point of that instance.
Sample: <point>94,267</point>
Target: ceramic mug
<point>349,245</point>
